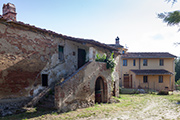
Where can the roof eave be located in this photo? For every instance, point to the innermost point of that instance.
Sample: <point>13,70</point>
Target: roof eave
<point>154,74</point>
<point>150,57</point>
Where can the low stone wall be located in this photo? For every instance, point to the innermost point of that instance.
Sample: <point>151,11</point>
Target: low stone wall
<point>78,91</point>
<point>13,106</point>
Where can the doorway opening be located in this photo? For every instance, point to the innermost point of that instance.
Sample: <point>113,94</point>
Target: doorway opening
<point>100,91</point>
<point>81,57</point>
<point>126,81</point>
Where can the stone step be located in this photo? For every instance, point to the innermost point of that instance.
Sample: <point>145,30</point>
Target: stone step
<point>46,104</point>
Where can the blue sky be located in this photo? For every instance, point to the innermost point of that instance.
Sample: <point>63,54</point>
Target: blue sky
<point>134,21</point>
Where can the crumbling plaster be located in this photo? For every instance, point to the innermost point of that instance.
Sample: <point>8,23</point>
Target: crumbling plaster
<point>21,54</point>
<point>78,90</point>
<point>57,69</point>
<point>26,54</point>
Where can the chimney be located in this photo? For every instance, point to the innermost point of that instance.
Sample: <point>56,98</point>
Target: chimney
<point>9,11</point>
<point>117,40</point>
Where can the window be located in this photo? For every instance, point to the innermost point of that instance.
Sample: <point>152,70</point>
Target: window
<point>44,80</point>
<point>61,52</point>
<point>134,62</point>
<point>123,52</point>
<point>161,79</point>
<point>161,62</point>
<point>145,79</point>
<point>124,62</point>
<point>145,62</point>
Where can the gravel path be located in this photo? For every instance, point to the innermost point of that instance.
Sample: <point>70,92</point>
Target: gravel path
<point>154,109</point>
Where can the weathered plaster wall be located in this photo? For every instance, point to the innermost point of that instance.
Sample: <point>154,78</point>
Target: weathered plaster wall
<point>57,69</point>
<point>116,74</point>
<point>26,53</point>
<point>23,54</point>
<point>78,91</point>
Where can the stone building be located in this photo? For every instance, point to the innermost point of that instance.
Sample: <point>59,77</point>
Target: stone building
<point>32,59</point>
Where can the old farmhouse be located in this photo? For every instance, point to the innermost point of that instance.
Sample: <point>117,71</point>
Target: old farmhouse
<point>34,60</point>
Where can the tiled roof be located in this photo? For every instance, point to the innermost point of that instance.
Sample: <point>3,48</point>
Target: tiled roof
<point>116,46</point>
<point>148,55</point>
<point>152,72</point>
<point>79,40</point>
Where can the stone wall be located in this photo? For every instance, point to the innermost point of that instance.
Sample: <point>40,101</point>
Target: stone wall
<point>13,106</point>
<point>116,75</point>
<point>78,91</point>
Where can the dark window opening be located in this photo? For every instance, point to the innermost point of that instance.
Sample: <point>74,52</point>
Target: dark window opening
<point>134,62</point>
<point>145,62</point>
<point>160,79</point>
<point>145,79</point>
<point>161,62</point>
<point>61,52</point>
<point>124,62</point>
<point>44,80</point>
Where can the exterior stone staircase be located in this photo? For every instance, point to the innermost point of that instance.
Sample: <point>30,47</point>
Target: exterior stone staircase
<point>46,98</point>
<point>41,96</point>
<point>78,90</point>
<point>48,101</point>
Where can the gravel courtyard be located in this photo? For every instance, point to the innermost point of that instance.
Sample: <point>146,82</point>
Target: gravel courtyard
<point>153,108</point>
<point>131,107</point>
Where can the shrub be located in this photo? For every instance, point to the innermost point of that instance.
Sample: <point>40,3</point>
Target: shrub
<point>110,62</point>
<point>120,90</point>
<point>100,58</point>
<point>178,82</point>
<point>162,92</point>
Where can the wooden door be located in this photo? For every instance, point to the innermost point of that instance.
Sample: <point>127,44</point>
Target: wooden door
<point>81,57</point>
<point>126,81</point>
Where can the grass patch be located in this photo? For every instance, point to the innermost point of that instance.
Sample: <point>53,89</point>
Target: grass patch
<point>173,98</point>
<point>84,114</point>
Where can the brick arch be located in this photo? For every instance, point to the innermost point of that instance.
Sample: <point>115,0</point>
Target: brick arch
<point>101,92</point>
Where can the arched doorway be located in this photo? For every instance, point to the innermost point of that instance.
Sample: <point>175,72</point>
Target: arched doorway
<point>100,91</point>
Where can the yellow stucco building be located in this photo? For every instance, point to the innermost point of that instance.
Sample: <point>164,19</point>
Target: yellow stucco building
<point>151,70</point>
<point>146,70</point>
